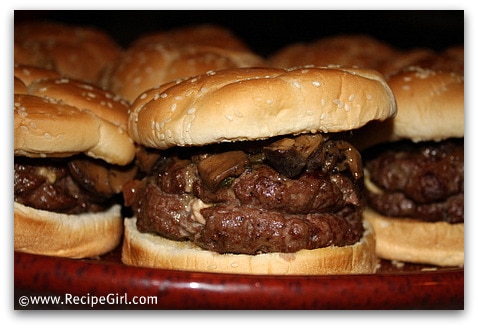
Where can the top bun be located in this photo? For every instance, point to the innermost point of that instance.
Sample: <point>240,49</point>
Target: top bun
<point>452,59</point>
<point>143,67</point>
<point>161,57</point>
<point>258,103</point>
<point>29,74</point>
<point>430,105</point>
<point>205,34</point>
<point>62,117</point>
<point>344,50</point>
<point>74,51</point>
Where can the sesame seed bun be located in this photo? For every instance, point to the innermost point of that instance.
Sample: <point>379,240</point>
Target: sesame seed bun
<point>258,103</point>
<point>62,117</point>
<point>344,50</point>
<point>148,65</point>
<point>204,34</point>
<point>430,107</point>
<point>78,52</point>
<point>430,104</point>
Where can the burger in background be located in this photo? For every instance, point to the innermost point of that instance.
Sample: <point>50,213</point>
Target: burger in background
<point>158,58</point>
<point>253,173</point>
<point>349,50</point>
<point>78,52</point>
<point>72,156</point>
<point>414,170</point>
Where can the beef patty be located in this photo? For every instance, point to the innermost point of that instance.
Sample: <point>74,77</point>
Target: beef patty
<point>423,181</point>
<point>294,193</point>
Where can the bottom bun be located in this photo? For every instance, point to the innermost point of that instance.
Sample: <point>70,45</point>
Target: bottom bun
<point>147,250</point>
<point>408,240</point>
<point>74,236</point>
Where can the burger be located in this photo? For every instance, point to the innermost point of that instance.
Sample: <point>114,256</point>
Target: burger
<point>415,176</point>
<point>249,171</point>
<point>351,50</point>
<point>72,155</point>
<point>77,52</point>
<point>158,58</point>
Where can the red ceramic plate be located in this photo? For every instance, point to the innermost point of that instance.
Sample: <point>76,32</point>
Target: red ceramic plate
<point>54,283</point>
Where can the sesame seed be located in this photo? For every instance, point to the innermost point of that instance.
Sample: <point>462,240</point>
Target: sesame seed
<point>228,117</point>
<point>270,101</point>
<point>47,135</point>
<point>191,110</point>
<point>296,84</point>
<point>238,114</point>
<point>369,96</point>
<point>173,107</point>
<point>143,96</point>
<point>163,95</point>
<point>178,97</point>
<point>406,87</point>
<point>309,112</point>
<point>323,116</point>
<point>347,107</point>
<point>339,103</point>
<point>323,102</point>
<point>156,96</point>
<point>189,92</point>
<point>316,84</point>
<point>87,86</point>
<point>352,97</point>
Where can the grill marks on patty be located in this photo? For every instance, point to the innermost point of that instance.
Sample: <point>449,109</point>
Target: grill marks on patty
<point>252,208</point>
<point>422,181</point>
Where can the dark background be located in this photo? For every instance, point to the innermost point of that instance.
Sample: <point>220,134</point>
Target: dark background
<point>265,31</point>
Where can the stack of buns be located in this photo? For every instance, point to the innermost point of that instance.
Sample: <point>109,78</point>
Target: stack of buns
<point>93,117</point>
